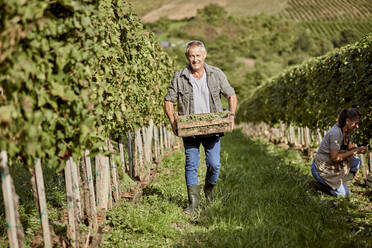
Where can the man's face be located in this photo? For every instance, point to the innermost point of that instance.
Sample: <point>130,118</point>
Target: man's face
<point>196,57</point>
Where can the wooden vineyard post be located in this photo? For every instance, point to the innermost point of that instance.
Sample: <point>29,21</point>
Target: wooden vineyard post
<point>115,175</point>
<point>146,157</point>
<point>267,131</point>
<point>145,146</point>
<point>147,141</point>
<point>165,136</point>
<point>122,158</point>
<point>102,182</point>
<point>304,136</point>
<point>169,135</point>
<point>80,188</point>
<point>307,140</point>
<point>135,157</point>
<point>92,198</point>
<point>286,134</point>
<point>72,230</point>
<point>364,165</point>
<point>156,143</point>
<point>107,182</point>
<point>299,136</point>
<point>10,202</point>
<point>139,155</point>
<point>149,138</point>
<point>76,189</point>
<point>130,154</point>
<point>292,135</point>
<point>99,186</point>
<point>308,135</point>
<point>85,188</point>
<point>282,136</point>
<point>318,137</point>
<point>43,205</point>
<point>161,138</point>
<point>370,162</point>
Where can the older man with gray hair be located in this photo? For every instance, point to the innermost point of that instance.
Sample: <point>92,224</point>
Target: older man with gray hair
<point>197,88</point>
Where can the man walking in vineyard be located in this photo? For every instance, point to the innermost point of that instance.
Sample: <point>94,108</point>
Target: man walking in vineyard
<point>197,89</point>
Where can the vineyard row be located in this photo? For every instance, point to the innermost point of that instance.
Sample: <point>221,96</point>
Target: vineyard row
<point>312,94</point>
<point>90,190</point>
<point>301,138</point>
<point>329,10</point>
<point>331,29</point>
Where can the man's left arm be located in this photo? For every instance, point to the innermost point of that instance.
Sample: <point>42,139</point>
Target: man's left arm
<point>228,92</point>
<point>233,102</point>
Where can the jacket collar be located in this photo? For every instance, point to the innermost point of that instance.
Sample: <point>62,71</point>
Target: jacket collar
<point>186,71</point>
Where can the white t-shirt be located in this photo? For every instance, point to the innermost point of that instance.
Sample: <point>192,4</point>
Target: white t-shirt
<point>200,94</point>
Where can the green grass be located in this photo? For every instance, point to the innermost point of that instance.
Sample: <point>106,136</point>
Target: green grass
<point>262,201</point>
<point>157,219</point>
<point>56,201</point>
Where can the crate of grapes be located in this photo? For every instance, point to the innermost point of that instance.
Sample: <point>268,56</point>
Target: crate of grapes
<point>202,124</point>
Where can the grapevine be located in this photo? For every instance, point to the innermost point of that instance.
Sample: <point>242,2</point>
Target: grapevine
<point>312,94</point>
<point>74,73</point>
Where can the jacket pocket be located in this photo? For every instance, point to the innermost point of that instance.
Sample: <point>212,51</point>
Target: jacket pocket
<point>216,97</point>
<point>183,101</point>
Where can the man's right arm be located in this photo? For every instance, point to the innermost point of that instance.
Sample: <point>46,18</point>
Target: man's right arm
<point>170,98</point>
<point>169,110</point>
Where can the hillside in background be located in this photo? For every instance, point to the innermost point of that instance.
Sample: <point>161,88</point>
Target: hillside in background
<point>326,17</point>
<point>178,9</point>
<point>254,40</point>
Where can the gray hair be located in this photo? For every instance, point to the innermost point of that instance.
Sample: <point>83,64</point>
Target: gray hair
<point>195,43</point>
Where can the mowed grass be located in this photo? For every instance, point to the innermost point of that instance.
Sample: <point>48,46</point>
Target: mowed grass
<point>262,201</point>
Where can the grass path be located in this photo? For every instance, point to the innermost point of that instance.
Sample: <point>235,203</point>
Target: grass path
<point>262,201</point>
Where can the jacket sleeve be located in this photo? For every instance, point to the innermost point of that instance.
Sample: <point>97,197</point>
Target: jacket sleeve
<point>226,88</point>
<point>172,93</point>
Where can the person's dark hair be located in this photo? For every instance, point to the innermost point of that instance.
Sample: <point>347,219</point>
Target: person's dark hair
<point>353,114</point>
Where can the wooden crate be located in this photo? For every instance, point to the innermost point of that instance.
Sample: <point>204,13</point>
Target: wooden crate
<point>202,124</point>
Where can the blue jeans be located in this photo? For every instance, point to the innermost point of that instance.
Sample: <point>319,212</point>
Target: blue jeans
<point>212,148</point>
<point>342,190</point>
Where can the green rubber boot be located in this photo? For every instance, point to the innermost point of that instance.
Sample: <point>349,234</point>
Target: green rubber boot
<point>193,193</point>
<point>208,191</point>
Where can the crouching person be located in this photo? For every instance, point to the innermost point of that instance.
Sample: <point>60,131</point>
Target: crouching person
<point>335,163</point>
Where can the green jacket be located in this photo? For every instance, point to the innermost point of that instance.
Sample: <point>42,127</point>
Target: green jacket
<point>180,90</point>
